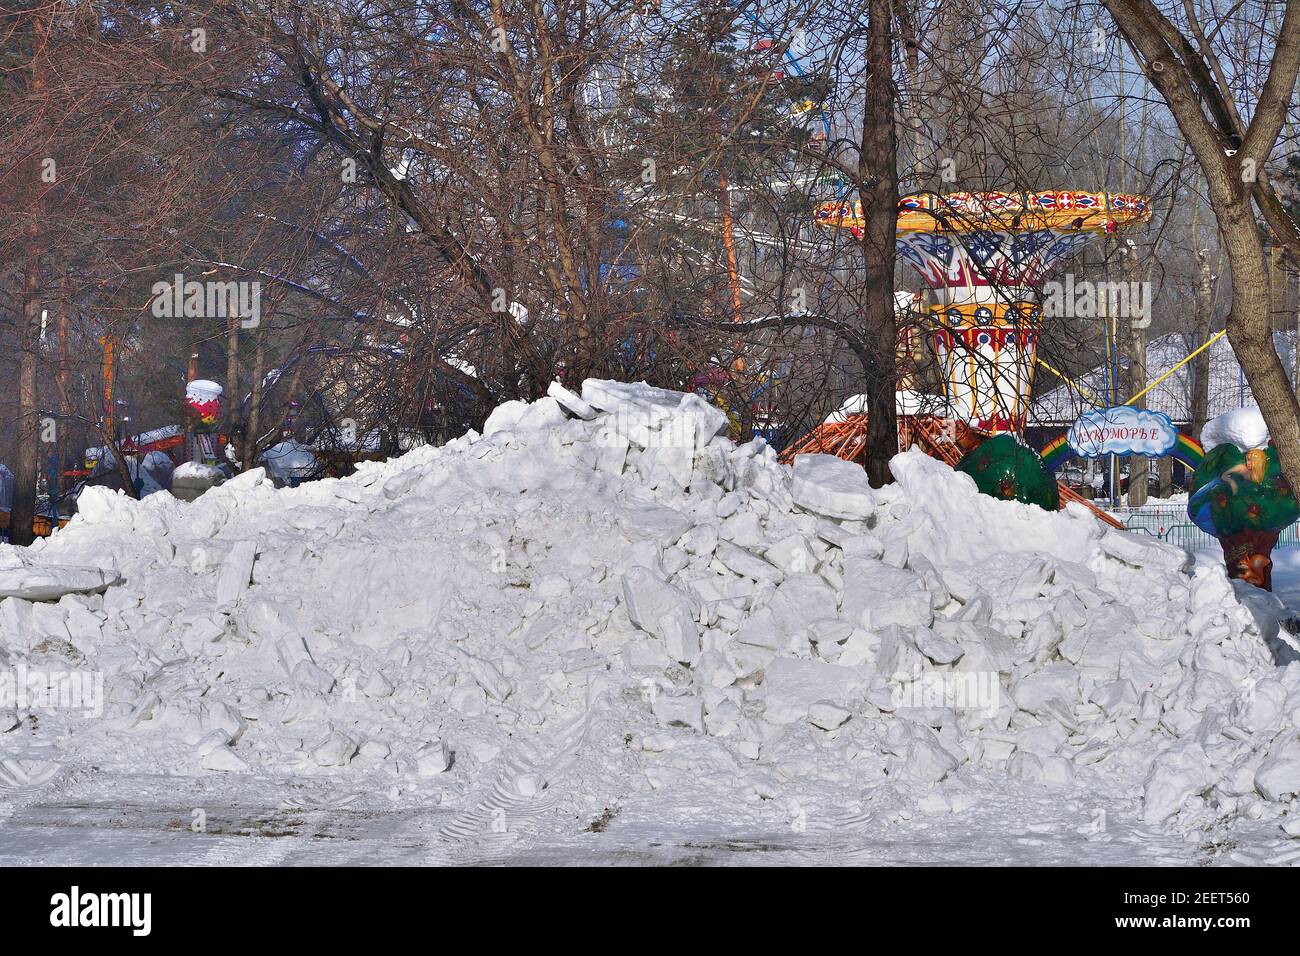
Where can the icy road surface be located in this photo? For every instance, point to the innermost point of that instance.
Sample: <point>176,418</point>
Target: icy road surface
<point>134,820</point>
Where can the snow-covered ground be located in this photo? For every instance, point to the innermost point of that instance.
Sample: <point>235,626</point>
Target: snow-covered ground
<point>601,632</point>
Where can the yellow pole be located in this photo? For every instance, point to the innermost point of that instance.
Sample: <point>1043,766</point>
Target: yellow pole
<point>1208,342</point>
<point>1069,381</point>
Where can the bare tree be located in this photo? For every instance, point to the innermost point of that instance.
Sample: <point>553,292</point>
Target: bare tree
<point>1232,155</point>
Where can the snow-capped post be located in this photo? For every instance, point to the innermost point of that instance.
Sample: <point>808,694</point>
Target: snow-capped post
<point>202,410</point>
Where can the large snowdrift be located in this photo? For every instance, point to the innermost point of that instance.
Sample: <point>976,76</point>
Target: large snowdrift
<point>603,599</point>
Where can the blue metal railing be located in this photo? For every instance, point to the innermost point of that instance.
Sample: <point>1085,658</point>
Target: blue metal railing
<point>1173,526</point>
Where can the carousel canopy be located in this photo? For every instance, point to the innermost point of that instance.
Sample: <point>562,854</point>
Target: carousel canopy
<point>1000,212</point>
<point>979,241</point>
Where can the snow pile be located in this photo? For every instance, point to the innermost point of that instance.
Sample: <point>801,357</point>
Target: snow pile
<point>602,596</point>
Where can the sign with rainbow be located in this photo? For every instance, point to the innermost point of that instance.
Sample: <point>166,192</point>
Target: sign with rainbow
<point>1123,430</point>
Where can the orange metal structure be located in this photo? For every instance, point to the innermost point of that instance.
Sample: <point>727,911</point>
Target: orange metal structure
<point>943,438</point>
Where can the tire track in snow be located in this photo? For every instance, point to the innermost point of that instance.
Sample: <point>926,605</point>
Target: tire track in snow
<point>502,814</point>
<point>22,781</point>
<point>1274,853</point>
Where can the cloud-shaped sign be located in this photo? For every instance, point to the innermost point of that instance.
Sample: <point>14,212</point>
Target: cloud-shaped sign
<point>1122,430</point>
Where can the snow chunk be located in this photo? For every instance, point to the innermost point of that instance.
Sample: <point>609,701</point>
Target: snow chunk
<point>1279,775</point>
<point>1133,550</point>
<point>236,572</point>
<point>828,715</point>
<point>223,760</point>
<point>679,710</point>
<point>570,402</point>
<point>791,687</point>
<point>1243,427</point>
<point>658,608</point>
<point>51,582</point>
<point>432,758</point>
<point>832,487</point>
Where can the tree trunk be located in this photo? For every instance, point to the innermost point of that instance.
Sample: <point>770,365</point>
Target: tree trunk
<point>119,462</point>
<point>1166,473</point>
<point>26,464</point>
<point>64,375</point>
<point>878,187</point>
<point>1276,289</point>
<point>248,453</point>
<point>1294,307</point>
<point>232,375</point>
<point>63,379</point>
<point>1229,158</point>
<point>1201,324</point>
<point>1251,338</point>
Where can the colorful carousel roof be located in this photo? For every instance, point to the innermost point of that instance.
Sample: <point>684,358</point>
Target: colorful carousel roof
<point>999,212</point>
<point>968,243</point>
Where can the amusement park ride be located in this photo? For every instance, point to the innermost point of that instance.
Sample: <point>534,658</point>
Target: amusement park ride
<point>985,257</point>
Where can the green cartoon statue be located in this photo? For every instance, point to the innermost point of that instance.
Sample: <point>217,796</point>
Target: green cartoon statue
<point>1004,468</point>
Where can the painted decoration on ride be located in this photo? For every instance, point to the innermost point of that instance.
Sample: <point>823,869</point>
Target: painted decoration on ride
<point>986,240</point>
<point>986,352</point>
<point>1122,430</point>
<point>202,404</point>
<point>1004,468</point>
<point>1242,499</point>
<point>986,255</point>
<point>963,211</point>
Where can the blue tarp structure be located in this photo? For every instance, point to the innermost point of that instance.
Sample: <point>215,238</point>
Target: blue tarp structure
<point>6,488</point>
